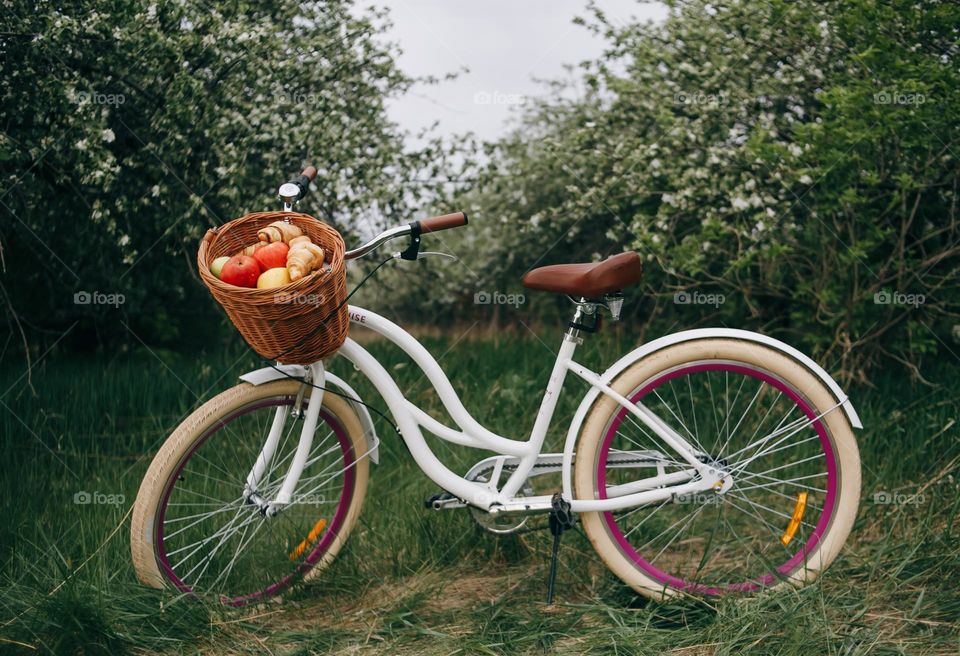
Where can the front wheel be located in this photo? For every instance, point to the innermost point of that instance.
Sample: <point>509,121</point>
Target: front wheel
<point>194,527</point>
<point>760,416</point>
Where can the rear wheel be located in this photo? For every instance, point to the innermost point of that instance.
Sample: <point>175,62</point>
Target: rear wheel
<point>194,530</point>
<point>764,419</point>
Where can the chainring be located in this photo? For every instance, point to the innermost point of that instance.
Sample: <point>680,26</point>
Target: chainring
<point>503,524</point>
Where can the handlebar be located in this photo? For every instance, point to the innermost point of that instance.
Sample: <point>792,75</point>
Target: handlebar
<point>414,229</point>
<point>307,175</point>
<point>292,191</point>
<point>444,222</point>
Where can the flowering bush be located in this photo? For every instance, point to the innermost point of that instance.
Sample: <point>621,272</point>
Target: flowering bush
<point>798,160</point>
<point>129,128</point>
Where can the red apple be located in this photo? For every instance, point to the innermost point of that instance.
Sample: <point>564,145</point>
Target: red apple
<point>240,270</point>
<point>272,256</point>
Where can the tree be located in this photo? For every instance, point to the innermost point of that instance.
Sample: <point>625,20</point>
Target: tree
<point>797,160</point>
<point>130,128</point>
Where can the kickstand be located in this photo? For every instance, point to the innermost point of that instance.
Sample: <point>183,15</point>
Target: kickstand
<point>561,519</point>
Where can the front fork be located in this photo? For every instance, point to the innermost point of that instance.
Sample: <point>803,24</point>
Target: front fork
<point>251,489</point>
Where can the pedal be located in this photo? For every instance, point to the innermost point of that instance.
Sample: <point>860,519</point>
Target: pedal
<point>561,520</point>
<point>442,501</point>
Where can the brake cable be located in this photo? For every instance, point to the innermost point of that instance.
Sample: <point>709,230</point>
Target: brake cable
<point>411,253</point>
<point>333,312</point>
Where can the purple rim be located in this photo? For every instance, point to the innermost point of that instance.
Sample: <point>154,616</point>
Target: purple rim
<point>746,586</point>
<point>346,494</point>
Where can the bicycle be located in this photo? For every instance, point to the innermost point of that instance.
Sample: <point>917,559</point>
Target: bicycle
<point>705,462</point>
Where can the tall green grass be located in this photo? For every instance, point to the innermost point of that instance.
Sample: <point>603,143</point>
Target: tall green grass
<point>418,581</point>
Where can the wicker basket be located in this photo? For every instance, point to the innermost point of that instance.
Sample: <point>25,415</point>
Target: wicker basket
<point>298,323</point>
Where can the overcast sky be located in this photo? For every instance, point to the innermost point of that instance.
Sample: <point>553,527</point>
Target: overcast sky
<point>505,44</point>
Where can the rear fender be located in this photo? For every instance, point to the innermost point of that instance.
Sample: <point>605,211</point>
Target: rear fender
<point>669,340</point>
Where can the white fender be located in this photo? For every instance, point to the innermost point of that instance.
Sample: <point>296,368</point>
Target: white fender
<point>685,336</point>
<point>268,374</point>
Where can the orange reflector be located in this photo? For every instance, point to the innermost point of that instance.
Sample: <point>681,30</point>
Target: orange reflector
<point>312,537</point>
<point>798,510</point>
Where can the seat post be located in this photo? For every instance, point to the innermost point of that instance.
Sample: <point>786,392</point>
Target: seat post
<point>584,309</point>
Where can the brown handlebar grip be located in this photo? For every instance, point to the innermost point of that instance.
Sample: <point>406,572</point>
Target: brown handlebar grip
<point>444,222</point>
<point>309,173</point>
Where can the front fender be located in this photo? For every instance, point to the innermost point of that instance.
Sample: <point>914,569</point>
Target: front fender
<point>268,374</point>
<point>685,336</point>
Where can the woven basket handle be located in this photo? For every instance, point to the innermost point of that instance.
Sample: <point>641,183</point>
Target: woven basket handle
<point>205,246</point>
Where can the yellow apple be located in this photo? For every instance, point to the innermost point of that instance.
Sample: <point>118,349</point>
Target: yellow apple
<point>276,277</point>
<point>217,265</point>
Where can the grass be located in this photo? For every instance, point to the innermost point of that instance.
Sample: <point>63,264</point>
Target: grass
<point>420,582</point>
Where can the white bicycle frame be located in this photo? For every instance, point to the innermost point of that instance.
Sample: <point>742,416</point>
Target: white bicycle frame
<point>491,496</point>
<point>410,419</point>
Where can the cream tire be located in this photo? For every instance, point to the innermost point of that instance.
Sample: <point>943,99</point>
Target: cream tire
<point>180,443</point>
<point>808,385</point>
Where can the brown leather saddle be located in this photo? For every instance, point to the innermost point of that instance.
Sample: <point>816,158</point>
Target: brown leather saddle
<point>590,280</point>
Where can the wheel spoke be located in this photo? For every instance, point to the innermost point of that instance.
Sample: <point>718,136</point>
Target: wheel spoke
<point>654,443</point>
<point>779,467</point>
<point>680,421</point>
<point>758,505</point>
<point>791,481</point>
<point>689,519</point>
<point>740,421</point>
<point>215,540</point>
<point>768,441</point>
<point>200,518</point>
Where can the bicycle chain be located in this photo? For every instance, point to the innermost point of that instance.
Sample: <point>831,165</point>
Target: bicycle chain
<point>546,525</point>
<point>511,468</point>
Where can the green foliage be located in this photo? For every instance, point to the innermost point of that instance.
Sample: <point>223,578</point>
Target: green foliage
<point>130,127</point>
<point>798,158</point>
<point>411,580</point>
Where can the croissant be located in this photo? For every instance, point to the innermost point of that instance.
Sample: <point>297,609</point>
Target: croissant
<point>279,231</point>
<point>253,248</point>
<point>303,258</point>
<point>304,239</point>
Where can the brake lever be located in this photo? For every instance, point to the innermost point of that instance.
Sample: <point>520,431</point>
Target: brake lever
<point>419,256</point>
<point>437,254</point>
